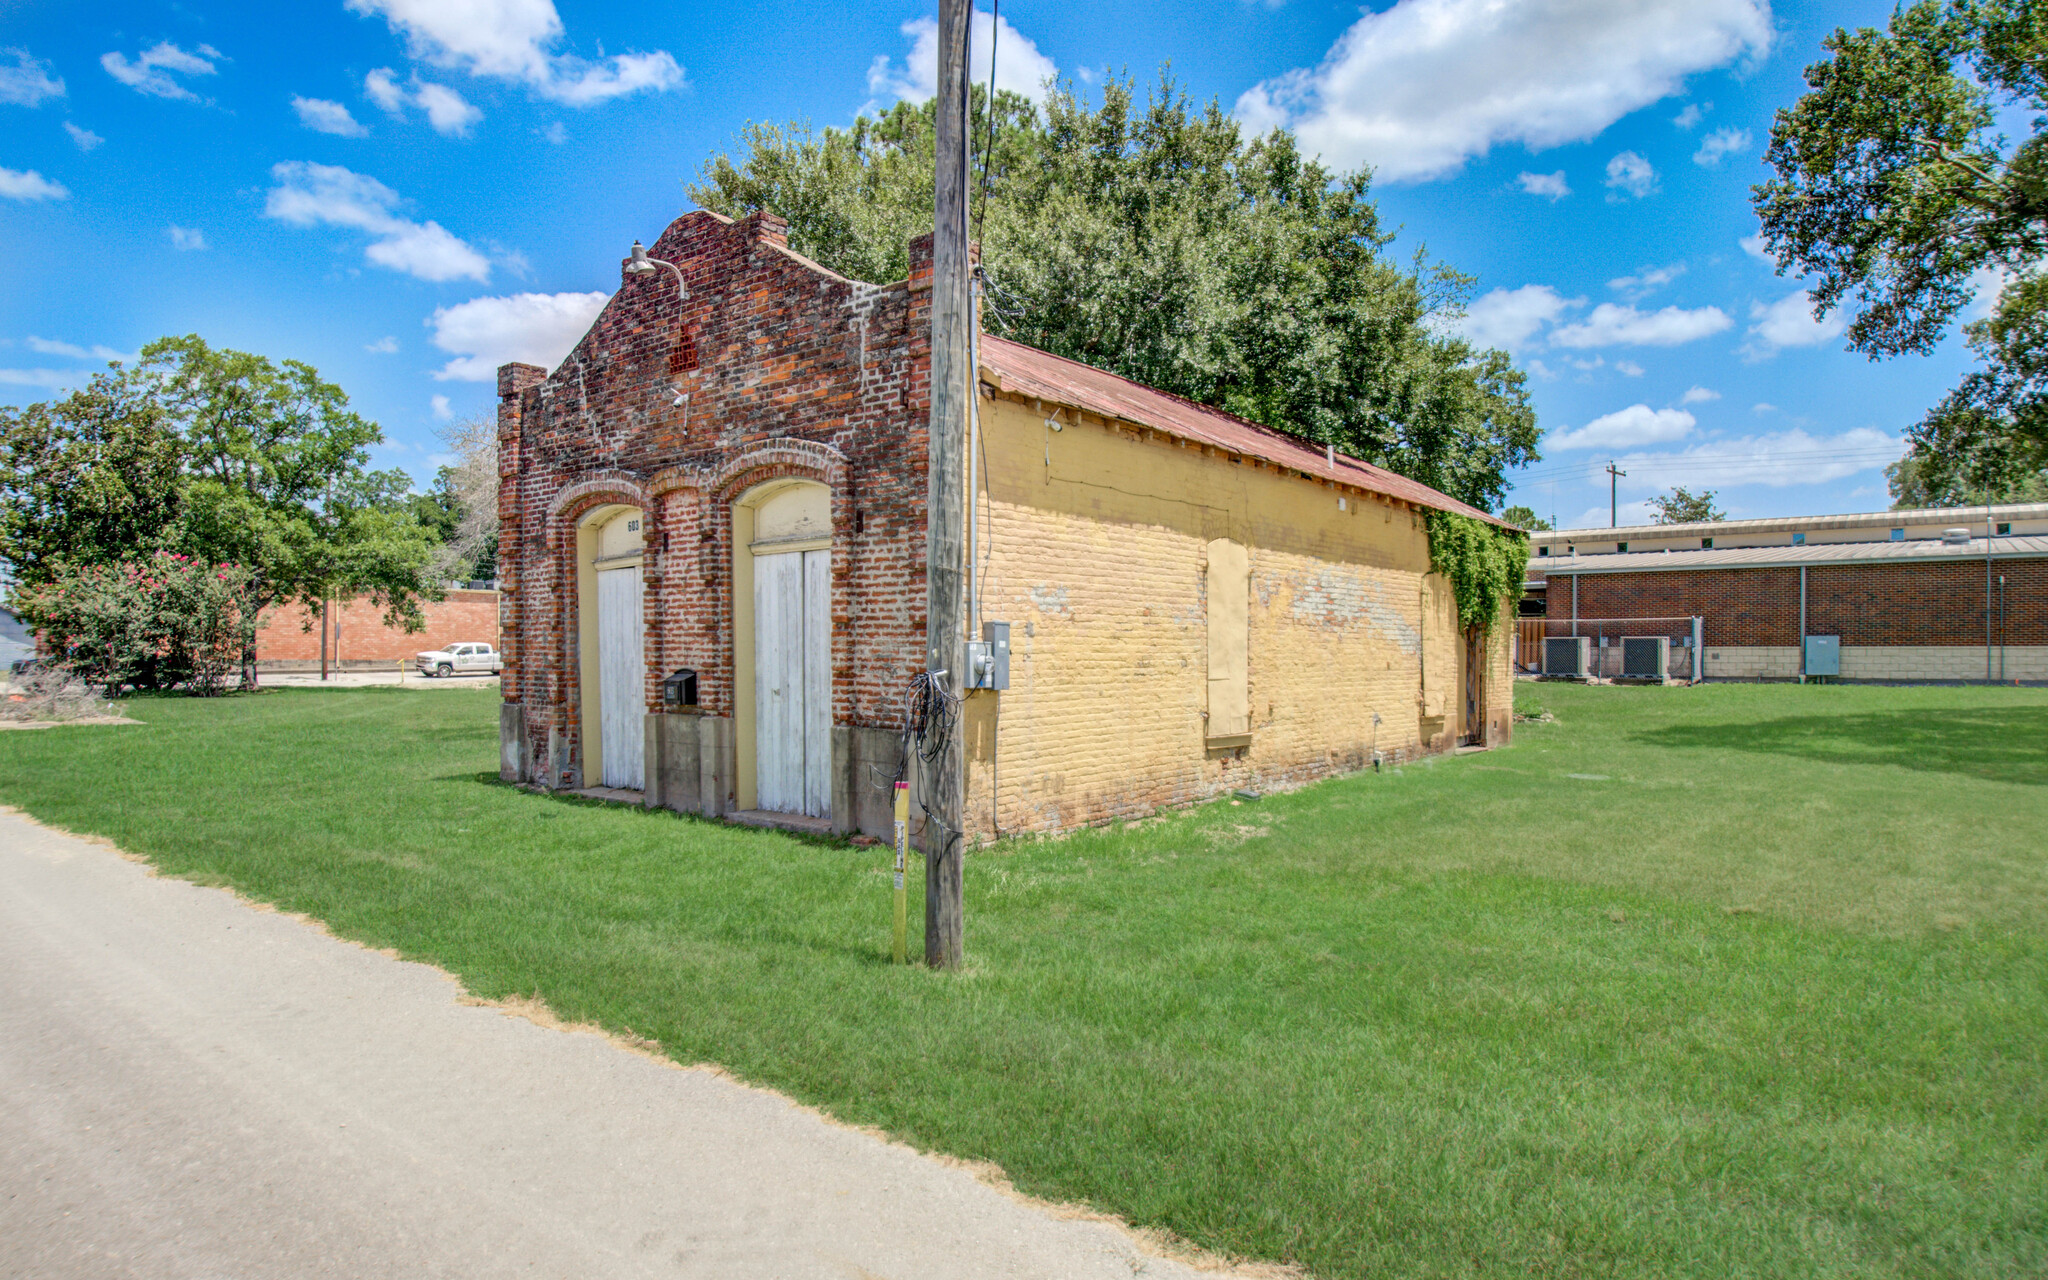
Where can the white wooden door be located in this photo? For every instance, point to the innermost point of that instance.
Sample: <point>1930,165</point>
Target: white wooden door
<point>793,683</point>
<point>621,678</point>
<point>817,665</point>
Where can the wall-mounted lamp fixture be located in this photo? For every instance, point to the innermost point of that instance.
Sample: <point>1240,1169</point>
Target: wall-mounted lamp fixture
<point>639,264</point>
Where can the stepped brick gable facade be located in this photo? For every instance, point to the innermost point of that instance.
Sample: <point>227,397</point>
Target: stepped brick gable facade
<point>733,485</point>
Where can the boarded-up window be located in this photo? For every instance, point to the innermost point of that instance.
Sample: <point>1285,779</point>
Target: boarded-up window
<point>1230,713</point>
<point>684,357</point>
<point>1438,616</point>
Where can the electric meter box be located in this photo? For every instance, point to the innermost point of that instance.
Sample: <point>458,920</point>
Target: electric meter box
<point>988,659</point>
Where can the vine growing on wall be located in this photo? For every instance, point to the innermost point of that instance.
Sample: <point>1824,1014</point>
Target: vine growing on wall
<point>1483,564</point>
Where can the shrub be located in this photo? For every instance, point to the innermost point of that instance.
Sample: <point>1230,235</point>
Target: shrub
<point>50,692</point>
<point>154,624</point>
<point>1484,565</point>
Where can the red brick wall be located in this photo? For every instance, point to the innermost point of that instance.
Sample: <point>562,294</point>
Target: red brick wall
<point>1900,602</point>
<point>790,371</point>
<point>359,633</point>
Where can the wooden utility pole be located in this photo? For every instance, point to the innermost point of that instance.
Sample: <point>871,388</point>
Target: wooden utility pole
<point>1614,476</point>
<point>946,505</point>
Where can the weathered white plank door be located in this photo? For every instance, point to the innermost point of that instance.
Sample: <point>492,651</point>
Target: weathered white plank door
<point>793,682</point>
<point>621,678</point>
<point>817,662</point>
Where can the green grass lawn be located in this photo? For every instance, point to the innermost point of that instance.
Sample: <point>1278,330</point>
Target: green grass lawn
<point>1725,981</point>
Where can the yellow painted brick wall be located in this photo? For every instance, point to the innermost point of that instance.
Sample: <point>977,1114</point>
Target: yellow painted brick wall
<point>1093,547</point>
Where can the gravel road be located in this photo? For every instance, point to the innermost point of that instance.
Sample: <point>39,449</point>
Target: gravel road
<point>194,1087</point>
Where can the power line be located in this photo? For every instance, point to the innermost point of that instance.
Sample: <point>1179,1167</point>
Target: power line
<point>1717,462</point>
<point>995,34</point>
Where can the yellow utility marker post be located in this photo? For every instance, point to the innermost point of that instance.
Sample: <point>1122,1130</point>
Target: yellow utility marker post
<point>902,848</point>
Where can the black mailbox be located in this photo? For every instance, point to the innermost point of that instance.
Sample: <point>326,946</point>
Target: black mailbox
<point>680,689</point>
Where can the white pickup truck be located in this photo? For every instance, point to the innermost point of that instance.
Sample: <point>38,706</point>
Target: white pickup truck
<point>460,660</point>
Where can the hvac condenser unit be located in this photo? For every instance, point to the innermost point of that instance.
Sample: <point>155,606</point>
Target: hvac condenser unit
<point>1646,657</point>
<point>1564,656</point>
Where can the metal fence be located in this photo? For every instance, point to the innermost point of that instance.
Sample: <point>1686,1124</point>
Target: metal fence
<point>1604,648</point>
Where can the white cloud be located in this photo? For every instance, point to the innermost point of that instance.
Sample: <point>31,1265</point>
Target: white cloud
<point>446,109</point>
<point>1625,515</point>
<point>1778,460</point>
<point>1689,117</point>
<point>1628,368</point>
<point>322,116</point>
<point>1698,395</point>
<point>1648,280</point>
<point>1020,67</point>
<point>555,133</point>
<point>45,379</point>
<point>1508,318</point>
<point>1628,428</point>
<point>314,194</point>
<point>512,40</point>
<point>537,328</point>
<point>1754,247</point>
<point>1720,143</point>
<point>1763,406</point>
<point>381,87</point>
<point>1418,89</point>
<point>1549,185</point>
<point>16,184</point>
<point>186,237</point>
<point>1987,286</point>
<point>85,138</point>
<point>442,410</point>
<point>1631,175</point>
<point>152,69</point>
<point>1789,322</point>
<point>71,350</point>
<point>1611,324</point>
<point>28,81</point>
<point>384,346</point>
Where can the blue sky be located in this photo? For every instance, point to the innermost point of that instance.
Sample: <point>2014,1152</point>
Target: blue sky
<point>406,192</point>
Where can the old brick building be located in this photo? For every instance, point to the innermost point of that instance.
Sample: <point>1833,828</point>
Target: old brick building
<point>733,484</point>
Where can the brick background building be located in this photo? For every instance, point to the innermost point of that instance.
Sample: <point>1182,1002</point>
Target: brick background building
<point>289,640</point>
<point>1902,610</point>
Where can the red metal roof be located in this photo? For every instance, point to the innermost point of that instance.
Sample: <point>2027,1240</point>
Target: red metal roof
<point>1029,371</point>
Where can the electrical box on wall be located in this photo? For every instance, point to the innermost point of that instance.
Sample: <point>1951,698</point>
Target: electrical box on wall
<point>988,659</point>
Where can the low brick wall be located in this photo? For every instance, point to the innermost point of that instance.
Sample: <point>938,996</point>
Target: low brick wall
<point>287,640</point>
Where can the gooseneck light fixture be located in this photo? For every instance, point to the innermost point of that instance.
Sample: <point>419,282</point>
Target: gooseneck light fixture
<point>639,264</point>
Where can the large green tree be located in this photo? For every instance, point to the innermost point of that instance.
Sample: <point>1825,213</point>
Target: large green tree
<point>278,480</point>
<point>91,478</point>
<point>1156,241</point>
<point>223,456</point>
<point>1896,189</point>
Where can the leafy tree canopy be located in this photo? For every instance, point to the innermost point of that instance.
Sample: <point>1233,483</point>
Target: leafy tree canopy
<point>92,478</point>
<point>1525,518</point>
<point>1155,241</point>
<point>1896,191</point>
<point>1682,506</point>
<point>222,456</point>
<point>1913,486</point>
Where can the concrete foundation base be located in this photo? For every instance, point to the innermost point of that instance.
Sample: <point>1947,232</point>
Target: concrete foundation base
<point>689,763</point>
